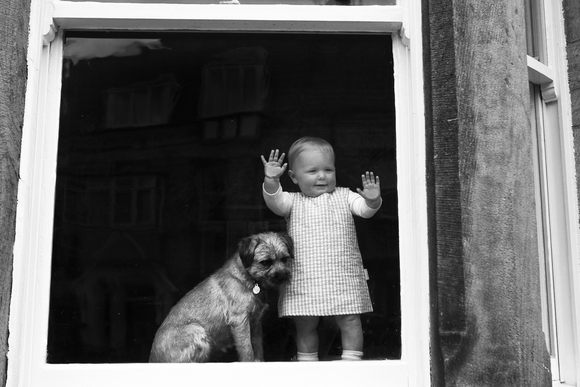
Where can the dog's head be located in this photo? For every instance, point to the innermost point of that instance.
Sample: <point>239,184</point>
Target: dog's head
<point>266,257</point>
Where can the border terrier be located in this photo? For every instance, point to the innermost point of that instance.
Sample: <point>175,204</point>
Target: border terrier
<point>226,308</point>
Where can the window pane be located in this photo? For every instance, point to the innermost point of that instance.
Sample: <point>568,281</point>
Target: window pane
<point>159,175</point>
<point>546,219</point>
<point>535,30</point>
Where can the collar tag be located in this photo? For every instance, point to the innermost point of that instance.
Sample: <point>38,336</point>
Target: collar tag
<point>256,289</point>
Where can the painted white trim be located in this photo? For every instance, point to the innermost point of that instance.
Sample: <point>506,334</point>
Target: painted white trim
<point>544,217</point>
<point>560,384</point>
<point>219,17</point>
<point>232,374</point>
<point>567,277</point>
<point>538,72</point>
<point>412,196</point>
<point>29,308</point>
<point>27,256</point>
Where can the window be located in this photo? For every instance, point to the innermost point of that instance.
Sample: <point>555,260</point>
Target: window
<point>159,175</point>
<point>556,197</point>
<point>109,175</point>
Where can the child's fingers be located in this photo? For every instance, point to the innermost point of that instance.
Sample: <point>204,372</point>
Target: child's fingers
<point>366,178</point>
<point>273,155</point>
<point>370,178</point>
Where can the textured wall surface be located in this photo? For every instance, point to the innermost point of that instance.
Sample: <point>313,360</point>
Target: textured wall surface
<point>487,275</point>
<point>13,45</point>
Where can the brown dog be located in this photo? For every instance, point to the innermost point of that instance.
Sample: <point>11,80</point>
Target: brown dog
<point>226,308</point>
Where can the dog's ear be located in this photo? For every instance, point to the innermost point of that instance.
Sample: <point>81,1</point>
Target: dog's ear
<point>246,249</point>
<point>288,242</point>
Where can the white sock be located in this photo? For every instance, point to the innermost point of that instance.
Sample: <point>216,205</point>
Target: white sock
<point>301,356</point>
<point>351,355</point>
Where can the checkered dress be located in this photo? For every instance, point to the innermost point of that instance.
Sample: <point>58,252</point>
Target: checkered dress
<point>327,272</point>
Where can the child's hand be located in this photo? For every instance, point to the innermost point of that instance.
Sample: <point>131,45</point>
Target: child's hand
<point>273,168</point>
<point>371,191</point>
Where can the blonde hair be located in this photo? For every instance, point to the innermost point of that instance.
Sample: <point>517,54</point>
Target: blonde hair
<point>304,143</point>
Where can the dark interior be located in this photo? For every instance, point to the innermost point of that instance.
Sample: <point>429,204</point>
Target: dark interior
<point>159,175</point>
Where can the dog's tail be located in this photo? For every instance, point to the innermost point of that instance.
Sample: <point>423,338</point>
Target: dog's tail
<point>185,344</point>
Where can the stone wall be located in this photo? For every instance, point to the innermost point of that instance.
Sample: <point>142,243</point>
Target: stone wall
<point>13,46</point>
<point>485,290</point>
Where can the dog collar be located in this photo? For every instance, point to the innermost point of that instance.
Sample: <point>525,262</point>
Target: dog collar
<point>256,289</point>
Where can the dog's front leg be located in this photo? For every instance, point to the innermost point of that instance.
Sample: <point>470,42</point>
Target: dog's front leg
<point>243,341</point>
<point>257,343</point>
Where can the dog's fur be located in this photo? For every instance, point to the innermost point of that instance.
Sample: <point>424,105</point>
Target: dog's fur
<point>223,311</point>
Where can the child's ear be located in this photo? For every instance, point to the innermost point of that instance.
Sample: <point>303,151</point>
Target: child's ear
<point>291,174</point>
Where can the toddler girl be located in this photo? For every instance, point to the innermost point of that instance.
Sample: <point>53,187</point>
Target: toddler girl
<point>327,273</point>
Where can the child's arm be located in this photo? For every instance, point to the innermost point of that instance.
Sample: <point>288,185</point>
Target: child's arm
<point>371,191</point>
<point>277,200</point>
<point>273,169</point>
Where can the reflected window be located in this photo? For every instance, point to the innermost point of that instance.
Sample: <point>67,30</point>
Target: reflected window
<point>159,175</point>
<point>535,30</point>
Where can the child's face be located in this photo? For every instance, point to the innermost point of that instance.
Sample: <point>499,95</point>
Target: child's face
<point>314,172</point>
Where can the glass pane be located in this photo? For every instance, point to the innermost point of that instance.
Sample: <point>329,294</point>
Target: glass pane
<point>535,30</point>
<point>291,2</point>
<point>159,175</point>
<point>543,215</point>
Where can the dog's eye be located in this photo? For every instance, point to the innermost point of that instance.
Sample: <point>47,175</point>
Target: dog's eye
<point>266,263</point>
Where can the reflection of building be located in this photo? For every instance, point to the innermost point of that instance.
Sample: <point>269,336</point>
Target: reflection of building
<point>233,93</point>
<point>167,160</point>
<point>486,294</point>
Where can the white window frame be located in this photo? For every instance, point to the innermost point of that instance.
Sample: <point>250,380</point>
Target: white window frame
<point>32,253</point>
<point>558,202</point>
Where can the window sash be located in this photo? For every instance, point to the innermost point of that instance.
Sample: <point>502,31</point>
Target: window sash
<point>192,17</point>
<point>544,217</point>
<point>557,231</point>
<point>30,300</point>
<point>556,188</point>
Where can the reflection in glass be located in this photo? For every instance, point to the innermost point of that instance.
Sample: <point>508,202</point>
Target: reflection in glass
<point>159,175</point>
<point>535,30</point>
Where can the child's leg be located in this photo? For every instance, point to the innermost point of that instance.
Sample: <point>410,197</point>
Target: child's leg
<point>352,336</point>
<point>306,337</point>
